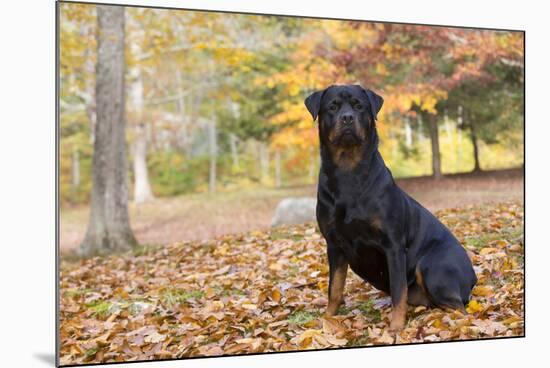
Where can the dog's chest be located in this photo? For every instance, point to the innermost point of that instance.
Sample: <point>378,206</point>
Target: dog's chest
<point>355,226</point>
<point>359,236</point>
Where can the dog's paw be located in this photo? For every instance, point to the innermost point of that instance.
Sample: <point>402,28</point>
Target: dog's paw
<point>394,328</point>
<point>397,324</point>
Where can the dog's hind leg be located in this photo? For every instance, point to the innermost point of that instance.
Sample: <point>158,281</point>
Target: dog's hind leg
<point>442,281</point>
<point>416,296</point>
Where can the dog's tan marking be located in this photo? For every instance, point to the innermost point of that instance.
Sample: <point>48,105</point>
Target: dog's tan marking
<point>420,279</point>
<point>346,158</point>
<point>376,223</point>
<point>336,288</point>
<point>399,313</point>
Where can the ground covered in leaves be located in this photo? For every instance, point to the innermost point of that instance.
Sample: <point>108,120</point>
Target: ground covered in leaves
<point>266,291</point>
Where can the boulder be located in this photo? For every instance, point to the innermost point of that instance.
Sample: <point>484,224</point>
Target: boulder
<point>294,211</point>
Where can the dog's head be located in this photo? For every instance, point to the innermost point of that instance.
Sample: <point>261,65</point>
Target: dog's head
<point>347,114</point>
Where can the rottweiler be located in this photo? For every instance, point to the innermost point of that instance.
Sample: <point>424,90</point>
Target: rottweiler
<point>370,224</point>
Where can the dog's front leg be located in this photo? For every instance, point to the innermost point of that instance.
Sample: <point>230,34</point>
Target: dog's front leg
<point>338,269</point>
<point>398,287</point>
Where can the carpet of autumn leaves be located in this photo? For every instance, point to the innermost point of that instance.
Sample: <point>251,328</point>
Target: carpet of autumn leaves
<point>265,291</point>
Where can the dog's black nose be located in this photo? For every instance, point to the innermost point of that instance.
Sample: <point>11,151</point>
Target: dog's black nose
<point>347,118</point>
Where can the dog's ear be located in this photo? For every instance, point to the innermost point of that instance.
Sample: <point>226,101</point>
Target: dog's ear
<point>313,103</point>
<point>375,101</point>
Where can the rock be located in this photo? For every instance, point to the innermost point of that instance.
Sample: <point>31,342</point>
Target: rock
<point>294,211</point>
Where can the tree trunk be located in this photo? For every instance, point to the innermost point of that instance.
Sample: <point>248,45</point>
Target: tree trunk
<point>434,138</point>
<point>183,132</point>
<point>88,94</point>
<point>142,187</point>
<point>277,168</point>
<point>109,225</point>
<point>420,130</point>
<point>212,142</point>
<point>408,133</point>
<point>91,109</point>
<point>473,136</point>
<point>233,146</point>
<point>264,162</point>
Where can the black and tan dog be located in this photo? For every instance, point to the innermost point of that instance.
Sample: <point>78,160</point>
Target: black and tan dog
<point>370,224</point>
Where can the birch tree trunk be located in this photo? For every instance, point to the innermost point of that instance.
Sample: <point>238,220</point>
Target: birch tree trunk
<point>213,145</point>
<point>109,225</point>
<point>408,133</point>
<point>88,94</point>
<point>233,146</point>
<point>142,187</point>
<point>277,168</point>
<point>181,108</point>
<point>264,162</point>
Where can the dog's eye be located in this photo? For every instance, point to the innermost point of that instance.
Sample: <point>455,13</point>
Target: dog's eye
<point>333,107</point>
<point>358,106</point>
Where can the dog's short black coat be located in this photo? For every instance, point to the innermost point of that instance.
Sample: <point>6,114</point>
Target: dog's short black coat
<point>369,223</point>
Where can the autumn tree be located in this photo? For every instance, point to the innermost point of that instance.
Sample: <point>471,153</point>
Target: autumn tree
<point>219,98</point>
<point>417,67</point>
<point>109,226</point>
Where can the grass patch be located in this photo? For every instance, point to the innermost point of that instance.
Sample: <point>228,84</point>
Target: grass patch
<point>100,308</point>
<point>177,296</point>
<point>143,249</point>
<point>91,352</point>
<point>284,234</point>
<point>74,293</point>
<point>484,239</point>
<point>366,309</point>
<point>229,292</point>
<point>302,317</point>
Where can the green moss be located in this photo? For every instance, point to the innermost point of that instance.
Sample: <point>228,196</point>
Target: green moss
<point>177,296</point>
<point>143,249</point>
<point>100,308</point>
<point>302,317</point>
<point>483,240</point>
<point>73,293</point>
<point>91,352</point>
<point>366,309</point>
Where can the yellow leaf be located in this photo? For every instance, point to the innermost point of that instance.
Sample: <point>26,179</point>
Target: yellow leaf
<point>512,319</point>
<point>249,306</point>
<point>486,251</point>
<point>276,295</point>
<point>482,290</point>
<point>473,307</point>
